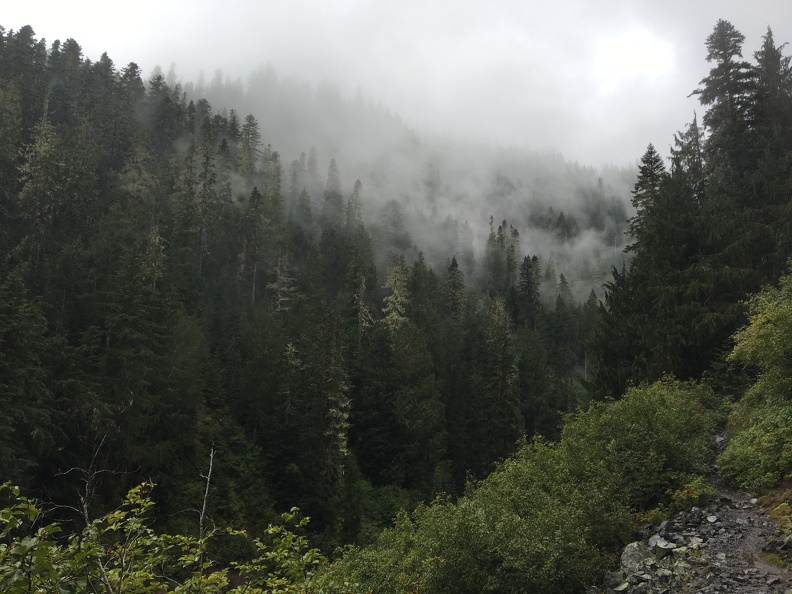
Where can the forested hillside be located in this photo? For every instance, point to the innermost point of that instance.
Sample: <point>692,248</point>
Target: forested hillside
<point>183,306</point>
<point>439,193</point>
<point>171,287</point>
<point>710,228</point>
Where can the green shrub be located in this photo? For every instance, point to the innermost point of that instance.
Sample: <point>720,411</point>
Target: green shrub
<point>121,553</point>
<point>759,452</point>
<point>655,438</point>
<point>524,529</point>
<point>552,518</point>
<point>698,492</point>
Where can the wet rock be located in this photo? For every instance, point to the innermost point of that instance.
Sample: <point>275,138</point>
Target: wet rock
<point>714,549</point>
<point>634,556</point>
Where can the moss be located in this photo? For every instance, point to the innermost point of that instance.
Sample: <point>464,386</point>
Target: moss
<point>777,503</point>
<point>697,492</point>
<point>774,559</point>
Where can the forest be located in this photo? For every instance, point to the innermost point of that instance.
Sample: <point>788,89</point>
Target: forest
<point>441,377</point>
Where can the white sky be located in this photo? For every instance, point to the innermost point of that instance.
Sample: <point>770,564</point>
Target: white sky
<point>595,79</point>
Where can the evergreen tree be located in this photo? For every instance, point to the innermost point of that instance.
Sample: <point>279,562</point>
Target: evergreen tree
<point>249,143</point>
<point>315,405</point>
<point>417,407</point>
<point>302,211</point>
<point>253,235</point>
<point>354,217</point>
<point>29,425</point>
<point>528,300</point>
<point>645,196</point>
<point>395,310</point>
<point>283,289</point>
<point>770,118</point>
<point>455,291</point>
<point>496,415</point>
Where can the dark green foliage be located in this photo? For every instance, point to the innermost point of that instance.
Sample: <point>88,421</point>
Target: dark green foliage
<point>656,435</point>
<point>646,196</point>
<point>167,290</point>
<point>528,302</point>
<point>28,427</point>
<point>552,518</point>
<point>707,233</point>
<point>497,421</point>
<point>759,453</point>
<point>120,552</point>
<point>418,408</point>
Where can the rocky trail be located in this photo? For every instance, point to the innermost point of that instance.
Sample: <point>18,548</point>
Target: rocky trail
<point>720,548</point>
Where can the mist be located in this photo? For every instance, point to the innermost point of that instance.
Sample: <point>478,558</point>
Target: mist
<point>447,114</point>
<point>435,195</point>
<point>594,81</point>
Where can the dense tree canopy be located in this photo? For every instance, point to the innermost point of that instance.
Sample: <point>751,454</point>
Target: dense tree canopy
<point>174,295</point>
<point>709,231</point>
<point>168,287</point>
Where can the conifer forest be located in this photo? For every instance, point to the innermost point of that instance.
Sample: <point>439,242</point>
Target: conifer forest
<point>228,365</point>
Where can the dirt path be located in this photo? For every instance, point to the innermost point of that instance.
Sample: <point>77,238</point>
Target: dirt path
<point>714,549</point>
<point>734,546</point>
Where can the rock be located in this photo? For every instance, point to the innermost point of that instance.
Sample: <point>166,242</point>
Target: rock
<point>709,550</point>
<point>663,548</point>
<point>633,557</point>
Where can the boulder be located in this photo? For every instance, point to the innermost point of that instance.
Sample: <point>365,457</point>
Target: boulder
<point>634,557</point>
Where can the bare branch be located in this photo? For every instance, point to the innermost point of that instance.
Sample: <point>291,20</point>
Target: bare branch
<point>207,477</point>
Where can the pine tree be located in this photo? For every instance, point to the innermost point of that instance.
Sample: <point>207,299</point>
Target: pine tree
<point>646,196</point>
<point>354,217</point>
<point>497,416</point>
<point>528,300</point>
<point>249,143</point>
<point>10,147</point>
<point>28,426</point>
<point>726,90</point>
<point>253,223</point>
<point>395,310</point>
<point>495,259</point>
<point>315,405</point>
<point>771,118</point>
<point>333,204</point>
<point>283,288</point>
<point>455,291</point>
<point>418,408</point>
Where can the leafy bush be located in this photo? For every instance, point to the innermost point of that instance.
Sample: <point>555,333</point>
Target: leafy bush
<point>655,438</point>
<point>698,492</point>
<point>524,529</point>
<point>759,452</point>
<point>120,553</point>
<point>551,518</point>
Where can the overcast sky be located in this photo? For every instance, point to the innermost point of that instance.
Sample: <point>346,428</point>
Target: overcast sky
<point>595,79</point>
